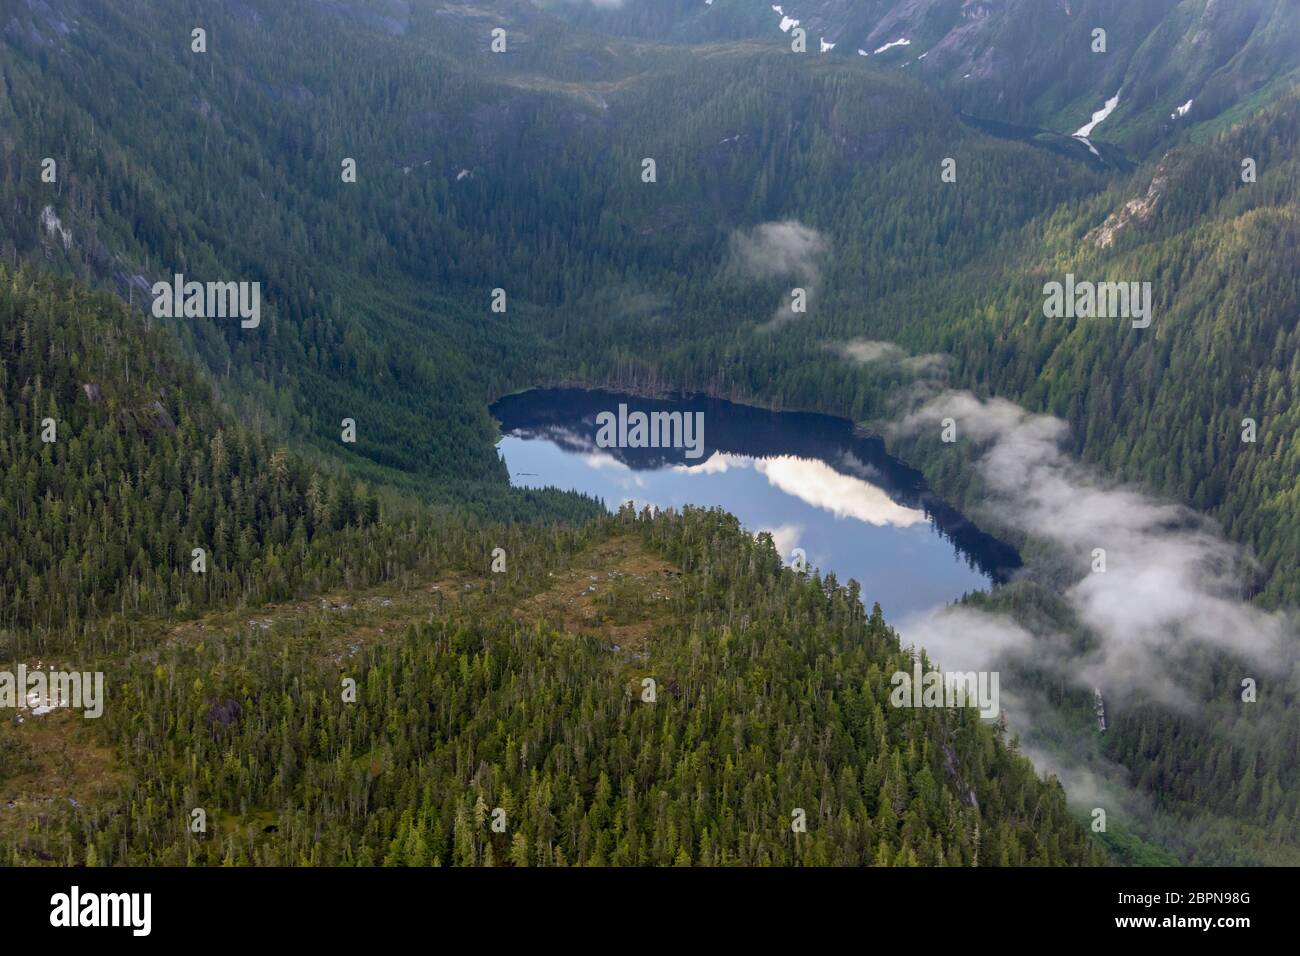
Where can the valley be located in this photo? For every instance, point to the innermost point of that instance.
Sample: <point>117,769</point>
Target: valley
<point>841,263</point>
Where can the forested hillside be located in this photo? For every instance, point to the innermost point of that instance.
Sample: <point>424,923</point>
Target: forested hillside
<point>119,463</point>
<point>504,230</point>
<point>480,173</point>
<point>476,174</point>
<point>468,699</point>
<point>1164,405</point>
<point>762,719</point>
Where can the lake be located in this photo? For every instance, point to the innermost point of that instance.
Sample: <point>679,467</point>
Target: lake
<point>814,482</point>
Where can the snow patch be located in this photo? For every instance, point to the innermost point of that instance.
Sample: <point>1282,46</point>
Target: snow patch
<point>827,46</point>
<point>901,41</point>
<point>1098,117</point>
<point>1182,110</point>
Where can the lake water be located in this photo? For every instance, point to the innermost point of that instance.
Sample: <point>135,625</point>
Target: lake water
<point>813,481</point>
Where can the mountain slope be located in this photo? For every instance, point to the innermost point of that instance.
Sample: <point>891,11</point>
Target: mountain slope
<point>523,171</point>
<point>474,690</point>
<point>1029,62</point>
<point>477,173</point>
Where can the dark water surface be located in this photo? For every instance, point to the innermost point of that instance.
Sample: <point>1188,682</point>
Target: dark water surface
<point>806,478</point>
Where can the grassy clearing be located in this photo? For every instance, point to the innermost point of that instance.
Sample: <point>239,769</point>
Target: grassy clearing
<point>616,591</point>
<point>51,768</point>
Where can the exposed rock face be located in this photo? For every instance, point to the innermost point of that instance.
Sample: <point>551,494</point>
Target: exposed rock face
<point>1138,210</point>
<point>54,227</point>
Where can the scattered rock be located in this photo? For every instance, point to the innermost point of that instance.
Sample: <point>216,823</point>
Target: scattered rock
<point>224,712</point>
<point>161,419</point>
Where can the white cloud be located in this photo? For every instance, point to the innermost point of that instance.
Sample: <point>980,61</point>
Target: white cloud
<point>787,248</point>
<point>776,249</point>
<point>818,484</point>
<point>1171,581</point>
<point>719,463</point>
